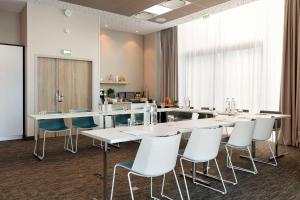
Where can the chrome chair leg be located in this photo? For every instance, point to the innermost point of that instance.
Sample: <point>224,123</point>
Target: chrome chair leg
<point>41,157</point>
<point>177,183</point>
<point>113,183</point>
<point>184,178</point>
<point>231,166</point>
<point>243,169</point>
<point>266,162</point>
<point>163,185</point>
<point>130,187</point>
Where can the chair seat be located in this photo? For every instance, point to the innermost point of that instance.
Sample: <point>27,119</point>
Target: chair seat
<point>235,146</point>
<point>54,129</point>
<point>127,165</point>
<point>85,125</point>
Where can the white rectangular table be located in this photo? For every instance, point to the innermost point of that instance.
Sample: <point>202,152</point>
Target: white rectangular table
<point>127,134</point>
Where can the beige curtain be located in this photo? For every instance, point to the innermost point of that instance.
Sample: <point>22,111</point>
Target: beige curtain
<point>290,93</point>
<point>169,68</point>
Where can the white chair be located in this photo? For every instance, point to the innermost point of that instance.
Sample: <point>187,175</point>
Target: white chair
<point>202,147</point>
<point>241,138</point>
<point>156,156</point>
<point>263,132</point>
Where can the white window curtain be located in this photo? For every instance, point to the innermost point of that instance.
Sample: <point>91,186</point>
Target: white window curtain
<point>236,53</point>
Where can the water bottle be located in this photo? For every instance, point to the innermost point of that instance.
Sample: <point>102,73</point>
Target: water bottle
<point>233,105</point>
<point>147,114</point>
<point>154,113</point>
<point>227,105</point>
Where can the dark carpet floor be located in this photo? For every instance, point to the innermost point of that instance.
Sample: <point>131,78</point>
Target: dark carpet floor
<point>62,175</point>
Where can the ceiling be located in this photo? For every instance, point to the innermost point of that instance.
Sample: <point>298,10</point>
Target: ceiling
<point>131,7</point>
<point>118,14</point>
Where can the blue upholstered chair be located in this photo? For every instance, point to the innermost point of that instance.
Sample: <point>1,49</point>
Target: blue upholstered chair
<point>82,123</point>
<point>52,126</point>
<point>122,120</point>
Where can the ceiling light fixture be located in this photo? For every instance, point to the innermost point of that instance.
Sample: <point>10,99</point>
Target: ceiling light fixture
<point>175,4</point>
<point>158,10</point>
<point>106,25</point>
<point>144,15</point>
<point>160,19</point>
<point>136,31</point>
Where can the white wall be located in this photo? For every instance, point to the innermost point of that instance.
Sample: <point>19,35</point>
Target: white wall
<point>46,37</point>
<point>9,27</point>
<point>122,54</point>
<point>152,63</point>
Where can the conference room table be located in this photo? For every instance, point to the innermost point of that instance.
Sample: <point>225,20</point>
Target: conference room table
<point>41,116</point>
<point>112,136</point>
<point>103,114</point>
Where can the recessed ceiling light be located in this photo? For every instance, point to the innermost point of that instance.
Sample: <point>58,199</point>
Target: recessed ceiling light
<point>160,19</point>
<point>106,25</point>
<point>144,15</point>
<point>158,10</point>
<point>175,4</point>
<point>136,31</point>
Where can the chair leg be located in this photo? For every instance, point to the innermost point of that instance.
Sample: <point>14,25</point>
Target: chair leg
<point>231,166</point>
<point>274,157</point>
<point>184,178</point>
<point>243,169</point>
<point>113,183</point>
<point>41,157</point>
<point>266,162</point>
<point>130,187</point>
<point>225,191</point>
<point>253,164</point>
<point>177,183</point>
<point>70,139</point>
<point>163,185</point>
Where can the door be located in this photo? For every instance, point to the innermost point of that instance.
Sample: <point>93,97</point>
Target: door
<point>47,84</point>
<point>11,89</point>
<point>64,84</point>
<point>74,84</point>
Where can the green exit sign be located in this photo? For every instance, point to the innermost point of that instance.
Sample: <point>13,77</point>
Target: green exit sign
<point>66,52</point>
<point>205,16</point>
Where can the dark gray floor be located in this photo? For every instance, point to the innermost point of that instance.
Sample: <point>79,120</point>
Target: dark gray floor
<point>63,175</point>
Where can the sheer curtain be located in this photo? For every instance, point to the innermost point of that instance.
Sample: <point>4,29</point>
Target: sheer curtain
<point>236,53</point>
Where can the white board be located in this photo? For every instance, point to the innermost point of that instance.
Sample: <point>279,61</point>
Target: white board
<point>11,92</point>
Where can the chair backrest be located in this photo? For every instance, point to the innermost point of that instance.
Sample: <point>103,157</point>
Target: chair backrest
<point>263,128</point>
<point>82,121</point>
<point>278,121</point>
<point>157,155</point>
<point>203,144</point>
<point>242,134</point>
<point>52,124</point>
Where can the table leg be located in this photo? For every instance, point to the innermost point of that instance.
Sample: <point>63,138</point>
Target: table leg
<point>253,149</point>
<point>104,121</point>
<point>276,145</point>
<point>193,176</point>
<point>105,168</point>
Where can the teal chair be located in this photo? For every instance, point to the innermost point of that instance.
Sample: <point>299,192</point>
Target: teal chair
<point>139,118</point>
<point>52,126</point>
<point>122,120</point>
<point>82,123</point>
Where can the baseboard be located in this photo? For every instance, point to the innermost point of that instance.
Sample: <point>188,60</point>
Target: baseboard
<point>13,137</point>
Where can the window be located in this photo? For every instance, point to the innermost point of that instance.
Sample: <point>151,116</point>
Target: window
<point>236,53</point>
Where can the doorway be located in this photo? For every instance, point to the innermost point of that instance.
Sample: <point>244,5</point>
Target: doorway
<point>64,84</point>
